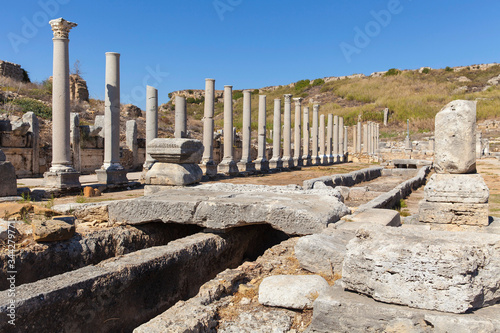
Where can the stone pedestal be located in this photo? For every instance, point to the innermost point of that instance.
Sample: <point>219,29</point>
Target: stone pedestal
<point>228,166</point>
<point>114,176</point>
<point>208,165</point>
<point>261,163</point>
<point>276,162</point>
<point>61,179</point>
<point>177,162</point>
<point>8,185</point>
<point>245,164</point>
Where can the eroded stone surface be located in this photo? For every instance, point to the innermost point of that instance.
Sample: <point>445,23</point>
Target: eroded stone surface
<point>453,213</point>
<point>456,188</point>
<point>436,270</point>
<point>291,291</point>
<point>173,174</point>
<point>53,230</point>
<point>179,151</point>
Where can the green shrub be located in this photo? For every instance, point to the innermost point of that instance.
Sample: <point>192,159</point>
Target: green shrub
<point>29,104</point>
<point>192,100</point>
<point>448,69</point>
<point>299,85</point>
<point>26,77</point>
<point>255,92</point>
<point>318,82</point>
<point>190,91</point>
<point>426,70</point>
<point>170,95</point>
<point>237,94</point>
<point>392,71</point>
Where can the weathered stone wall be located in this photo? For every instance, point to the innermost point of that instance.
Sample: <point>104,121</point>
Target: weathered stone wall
<point>11,70</point>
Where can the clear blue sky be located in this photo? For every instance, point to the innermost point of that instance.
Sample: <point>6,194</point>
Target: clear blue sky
<point>248,43</point>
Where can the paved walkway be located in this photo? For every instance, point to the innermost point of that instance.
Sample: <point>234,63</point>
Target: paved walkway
<point>84,180</point>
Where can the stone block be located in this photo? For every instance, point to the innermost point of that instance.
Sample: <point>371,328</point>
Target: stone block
<point>455,136</point>
<point>5,126</point>
<point>112,176</point>
<point>8,183</point>
<point>383,217</point>
<point>61,180</point>
<point>10,140</point>
<point>2,156</point>
<point>178,151</point>
<point>52,231</point>
<point>435,270</point>
<point>20,127</point>
<point>469,188</point>
<point>453,213</point>
<point>173,174</point>
<point>88,192</point>
<point>341,311</point>
<point>291,291</point>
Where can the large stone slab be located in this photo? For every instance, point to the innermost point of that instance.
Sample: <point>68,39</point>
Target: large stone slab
<point>171,174</point>
<point>178,151</point>
<point>453,213</point>
<point>341,311</point>
<point>436,270</point>
<point>323,253</point>
<point>456,188</point>
<point>384,217</point>
<point>293,212</point>
<point>455,133</point>
<point>291,291</point>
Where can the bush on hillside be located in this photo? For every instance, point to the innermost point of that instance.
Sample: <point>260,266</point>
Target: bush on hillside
<point>29,104</point>
<point>299,85</point>
<point>318,82</point>
<point>237,94</point>
<point>448,69</point>
<point>392,71</point>
<point>426,70</point>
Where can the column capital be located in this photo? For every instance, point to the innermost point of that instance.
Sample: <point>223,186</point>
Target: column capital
<point>315,107</point>
<point>298,101</point>
<point>209,79</point>
<point>61,27</point>
<point>288,98</point>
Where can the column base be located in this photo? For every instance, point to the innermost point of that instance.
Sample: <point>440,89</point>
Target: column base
<point>209,169</point>
<point>112,176</point>
<point>62,180</point>
<point>298,162</point>
<point>315,160</point>
<point>306,160</point>
<point>228,167</point>
<point>453,213</point>
<point>288,162</point>
<point>262,165</point>
<point>276,164</point>
<point>331,159</point>
<point>246,166</point>
<point>324,160</point>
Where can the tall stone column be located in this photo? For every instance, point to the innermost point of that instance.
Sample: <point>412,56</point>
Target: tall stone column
<point>354,139</point>
<point>315,158</point>
<point>262,163</point>
<point>346,151</point>
<point>365,138</point>
<point>112,171</point>
<point>377,138</point>
<point>358,147</point>
<point>341,139</point>
<point>228,165</point>
<point>208,165</point>
<point>287,133</point>
<point>151,123</point>
<point>32,119</point>
<point>131,138</point>
<point>386,116</point>
<point>75,141</point>
<point>276,162</point>
<point>61,173</point>
<point>180,118</point>
<point>322,155</point>
<point>336,139</point>
<point>246,164</point>
<point>329,139</point>
<point>306,158</point>
<point>297,151</point>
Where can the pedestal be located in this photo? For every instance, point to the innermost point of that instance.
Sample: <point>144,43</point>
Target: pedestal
<point>228,167</point>
<point>62,179</point>
<point>112,176</point>
<point>171,174</point>
<point>209,169</point>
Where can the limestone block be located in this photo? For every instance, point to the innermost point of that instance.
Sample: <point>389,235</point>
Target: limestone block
<point>341,311</point>
<point>20,128</point>
<point>180,151</point>
<point>454,213</point>
<point>323,253</point>
<point>173,174</point>
<point>291,291</point>
<point>456,188</point>
<point>383,217</point>
<point>435,270</point>
<point>9,139</point>
<point>455,133</point>
<point>52,231</point>
<point>8,184</point>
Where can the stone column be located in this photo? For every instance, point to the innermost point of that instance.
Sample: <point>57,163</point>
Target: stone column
<point>358,147</point>
<point>208,165</point>
<point>370,138</point>
<point>386,116</point>
<point>276,162</point>
<point>365,138</point>
<point>287,133</point>
<point>346,151</point>
<point>32,119</point>
<point>75,140</point>
<point>354,138</point>
<point>341,139</point>
<point>151,123</point>
<point>131,138</point>
<point>408,145</point>
<point>112,171</point>
<point>262,163</point>
<point>479,148</point>
<point>306,158</point>
<point>329,140</point>
<point>61,173</point>
<point>297,152</point>
<point>336,154</point>
<point>377,141</point>
<point>322,156</point>
<point>246,164</point>
<point>314,155</point>
<point>227,165</point>
<point>180,118</point>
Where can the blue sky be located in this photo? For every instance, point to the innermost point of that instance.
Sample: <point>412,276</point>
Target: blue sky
<point>176,44</point>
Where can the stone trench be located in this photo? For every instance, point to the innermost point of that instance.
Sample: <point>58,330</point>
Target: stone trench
<point>198,253</point>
